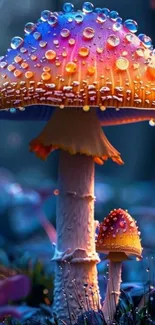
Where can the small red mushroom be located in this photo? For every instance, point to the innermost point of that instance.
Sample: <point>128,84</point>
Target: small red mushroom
<point>119,238</point>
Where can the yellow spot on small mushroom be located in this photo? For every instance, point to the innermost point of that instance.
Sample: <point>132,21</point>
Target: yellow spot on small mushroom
<point>71,67</point>
<point>50,55</point>
<point>122,63</point>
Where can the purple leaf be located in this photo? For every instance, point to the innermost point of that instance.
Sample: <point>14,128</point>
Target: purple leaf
<point>14,288</point>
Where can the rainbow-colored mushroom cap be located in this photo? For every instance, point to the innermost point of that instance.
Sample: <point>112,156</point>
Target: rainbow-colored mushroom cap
<point>86,58</point>
<point>118,233</point>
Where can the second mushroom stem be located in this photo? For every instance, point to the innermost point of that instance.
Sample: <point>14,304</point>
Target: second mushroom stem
<point>113,290</point>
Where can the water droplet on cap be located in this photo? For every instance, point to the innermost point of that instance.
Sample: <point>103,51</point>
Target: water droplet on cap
<point>68,7</point>
<point>71,67</point>
<point>116,27</point>
<point>113,40</point>
<point>87,7</point>
<point>52,20</point>
<point>140,52</point>
<point>46,76</point>
<point>45,15</point>
<point>29,74</point>
<point>101,18</point>
<point>98,10</point>
<point>71,41</point>
<point>113,15</point>
<point>106,11</point>
<point>16,42</point>
<point>65,32</point>
<point>78,18</point>
<point>29,28</point>
<point>84,51</point>
<point>131,25</point>
<point>91,70</point>
<point>42,43</point>
<point>50,55</point>
<point>37,35</point>
<point>122,63</point>
<point>146,40</point>
<point>88,33</point>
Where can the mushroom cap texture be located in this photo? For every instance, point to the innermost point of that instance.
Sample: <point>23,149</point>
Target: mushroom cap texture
<point>79,58</point>
<point>119,233</point>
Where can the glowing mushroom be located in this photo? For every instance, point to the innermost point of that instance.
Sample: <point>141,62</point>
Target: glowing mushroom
<point>119,238</point>
<point>68,68</point>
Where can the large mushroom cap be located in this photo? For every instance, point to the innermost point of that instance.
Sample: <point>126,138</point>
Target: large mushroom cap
<point>119,234</point>
<point>80,58</point>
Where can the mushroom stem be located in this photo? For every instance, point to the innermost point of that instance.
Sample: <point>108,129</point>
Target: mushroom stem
<point>75,256</point>
<point>113,290</point>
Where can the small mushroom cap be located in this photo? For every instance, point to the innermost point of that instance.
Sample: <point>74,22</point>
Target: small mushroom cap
<point>118,233</point>
<point>79,58</point>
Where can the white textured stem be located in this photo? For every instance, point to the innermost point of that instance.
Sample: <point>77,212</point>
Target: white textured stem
<point>75,256</point>
<point>113,291</point>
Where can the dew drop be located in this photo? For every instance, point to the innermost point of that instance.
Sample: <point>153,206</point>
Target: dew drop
<point>88,33</point>
<point>113,15</point>
<point>52,20</point>
<point>131,25</point>
<point>45,15</point>
<point>113,41</point>
<point>29,28</point>
<point>106,11</point>
<point>122,224</point>
<point>78,18</point>
<point>17,73</point>
<point>122,63</point>
<point>3,64</point>
<point>65,32</point>
<point>146,40</point>
<point>140,52</point>
<point>46,69</point>
<point>119,20</point>
<point>50,55</point>
<point>98,10</point>
<point>84,51</point>
<point>46,76</point>
<point>68,7</point>
<point>36,36</point>
<point>42,44</point>
<point>71,41</point>
<point>131,38</point>
<point>101,18</point>
<point>71,67</point>
<point>87,7</point>
<point>11,67</point>
<point>16,42</point>
<point>116,27</point>
<point>29,74</point>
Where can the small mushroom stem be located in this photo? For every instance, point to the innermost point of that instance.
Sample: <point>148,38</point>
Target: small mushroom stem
<point>113,290</point>
<point>76,256</point>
